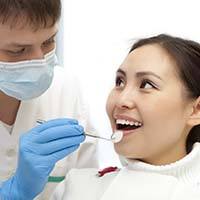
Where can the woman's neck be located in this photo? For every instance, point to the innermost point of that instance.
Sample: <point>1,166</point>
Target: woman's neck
<point>8,108</point>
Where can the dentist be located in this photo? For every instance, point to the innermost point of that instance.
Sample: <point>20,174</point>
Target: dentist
<point>32,87</point>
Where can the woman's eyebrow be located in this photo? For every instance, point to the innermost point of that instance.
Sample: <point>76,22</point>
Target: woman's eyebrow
<point>121,72</point>
<point>140,74</point>
<point>144,73</point>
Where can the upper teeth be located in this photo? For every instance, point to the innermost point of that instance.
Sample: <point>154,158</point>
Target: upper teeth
<point>127,122</point>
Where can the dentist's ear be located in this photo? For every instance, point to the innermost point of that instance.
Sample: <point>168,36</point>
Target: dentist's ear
<point>194,118</point>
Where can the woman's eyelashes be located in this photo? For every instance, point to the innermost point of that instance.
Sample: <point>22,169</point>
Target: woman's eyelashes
<point>147,84</point>
<point>143,84</point>
<point>119,82</point>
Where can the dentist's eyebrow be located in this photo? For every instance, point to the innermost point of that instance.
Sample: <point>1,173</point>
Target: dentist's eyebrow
<point>28,45</point>
<point>52,36</point>
<point>145,73</point>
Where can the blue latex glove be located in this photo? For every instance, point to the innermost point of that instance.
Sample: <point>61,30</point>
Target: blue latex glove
<point>39,150</point>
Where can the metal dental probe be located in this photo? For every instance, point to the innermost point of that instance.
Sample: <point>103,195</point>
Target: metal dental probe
<point>39,121</point>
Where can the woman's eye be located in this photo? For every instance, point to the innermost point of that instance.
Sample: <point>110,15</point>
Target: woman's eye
<point>146,84</point>
<point>119,82</point>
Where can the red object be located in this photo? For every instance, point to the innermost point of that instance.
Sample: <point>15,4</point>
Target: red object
<point>107,170</point>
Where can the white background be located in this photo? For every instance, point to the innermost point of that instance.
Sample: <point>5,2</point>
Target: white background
<point>98,34</point>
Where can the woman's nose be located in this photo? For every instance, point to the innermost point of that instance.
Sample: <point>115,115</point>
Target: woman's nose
<point>126,100</point>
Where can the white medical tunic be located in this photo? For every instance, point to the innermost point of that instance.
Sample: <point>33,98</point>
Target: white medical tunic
<point>136,181</point>
<point>62,99</point>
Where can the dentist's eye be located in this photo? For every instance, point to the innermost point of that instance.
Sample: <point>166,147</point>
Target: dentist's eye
<point>119,82</point>
<point>49,42</point>
<point>147,84</point>
<point>18,52</point>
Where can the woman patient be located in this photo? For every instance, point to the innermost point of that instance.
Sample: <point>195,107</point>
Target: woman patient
<point>156,104</point>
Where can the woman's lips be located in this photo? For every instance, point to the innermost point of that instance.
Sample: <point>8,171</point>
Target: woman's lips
<point>128,132</point>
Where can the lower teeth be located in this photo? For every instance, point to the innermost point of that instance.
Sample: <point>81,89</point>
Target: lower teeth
<point>129,128</point>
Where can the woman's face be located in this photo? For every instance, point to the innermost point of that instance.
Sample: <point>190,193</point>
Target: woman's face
<point>148,104</point>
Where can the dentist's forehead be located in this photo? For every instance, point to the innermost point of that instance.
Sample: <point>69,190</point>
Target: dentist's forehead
<point>25,36</point>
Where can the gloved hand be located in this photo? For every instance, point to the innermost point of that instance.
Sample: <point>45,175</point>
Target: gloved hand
<point>39,150</point>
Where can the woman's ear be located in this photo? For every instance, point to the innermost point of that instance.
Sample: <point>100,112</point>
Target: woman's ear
<point>194,118</point>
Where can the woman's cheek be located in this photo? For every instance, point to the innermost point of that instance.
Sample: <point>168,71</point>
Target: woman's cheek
<point>110,104</point>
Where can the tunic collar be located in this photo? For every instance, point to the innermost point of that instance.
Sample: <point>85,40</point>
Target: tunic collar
<point>187,169</point>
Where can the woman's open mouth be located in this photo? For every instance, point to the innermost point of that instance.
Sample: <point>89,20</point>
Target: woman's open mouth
<point>127,126</point>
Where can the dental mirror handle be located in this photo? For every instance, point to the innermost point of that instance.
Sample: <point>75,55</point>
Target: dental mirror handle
<point>95,136</point>
<point>40,121</point>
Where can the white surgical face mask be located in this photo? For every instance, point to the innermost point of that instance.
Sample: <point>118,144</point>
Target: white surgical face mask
<point>28,79</point>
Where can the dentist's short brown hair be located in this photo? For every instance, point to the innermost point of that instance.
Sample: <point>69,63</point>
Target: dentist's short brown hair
<point>35,13</point>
